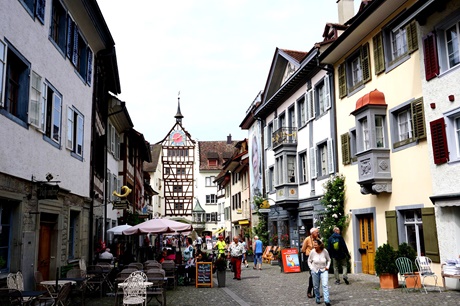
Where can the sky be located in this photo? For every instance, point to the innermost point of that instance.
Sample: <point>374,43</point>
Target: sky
<point>216,53</point>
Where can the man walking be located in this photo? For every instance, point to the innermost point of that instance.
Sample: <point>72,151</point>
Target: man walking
<point>307,246</point>
<point>257,247</point>
<point>198,242</point>
<point>338,251</point>
<point>236,249</point>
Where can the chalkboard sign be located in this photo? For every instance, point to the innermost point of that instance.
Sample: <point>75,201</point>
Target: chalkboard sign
<point>203,274</point>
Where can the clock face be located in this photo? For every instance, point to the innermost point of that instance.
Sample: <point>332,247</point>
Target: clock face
<point>177,138</point>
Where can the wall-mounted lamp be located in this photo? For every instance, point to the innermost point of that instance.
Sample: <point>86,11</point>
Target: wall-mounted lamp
<point>49,176</point>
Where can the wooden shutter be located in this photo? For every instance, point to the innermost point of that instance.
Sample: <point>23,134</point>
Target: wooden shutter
<point>345,139</point>
<point>430,234</point>
<point>40,10</point>
<point>70,29</point>
<point>75,46</point>
<point>342,81</point>
<point>365,63</point>
<point>418,119</point>
<point>267,181</point>
<point>89,71</point>
<point>439,141</point>
<point>431,56</point>
<point>412,40</point>
<point>379,56</point>
<point>327,92</point>
<point>310,105</point>
<point>330,156</point>
<point>392,228</point>
<point>35,101</point>
<point>70,139</point>
<point>313,165</point>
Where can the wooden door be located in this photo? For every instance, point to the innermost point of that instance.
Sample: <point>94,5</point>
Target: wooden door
<point>367,245</point>
<point>44,250</point>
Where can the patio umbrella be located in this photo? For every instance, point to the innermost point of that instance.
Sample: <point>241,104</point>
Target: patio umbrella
<point>158,226</point>
<point>118,230</point>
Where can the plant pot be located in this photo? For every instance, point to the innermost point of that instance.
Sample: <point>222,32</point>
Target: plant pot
<point>388,281</point>
<point>221,275</point>
<point>410,282</point>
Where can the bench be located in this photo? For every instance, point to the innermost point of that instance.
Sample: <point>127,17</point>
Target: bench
<point>444,275</point>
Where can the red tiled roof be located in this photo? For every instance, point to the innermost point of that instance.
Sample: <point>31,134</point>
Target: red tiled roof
<point>219,150</point>
<point>297,55</point>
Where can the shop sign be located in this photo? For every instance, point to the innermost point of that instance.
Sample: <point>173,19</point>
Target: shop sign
<point>49,192</point>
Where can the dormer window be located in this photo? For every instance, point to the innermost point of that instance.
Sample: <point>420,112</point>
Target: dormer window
<point>212,162</point>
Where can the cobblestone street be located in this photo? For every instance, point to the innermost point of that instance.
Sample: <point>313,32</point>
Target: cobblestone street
<point>271,287</point>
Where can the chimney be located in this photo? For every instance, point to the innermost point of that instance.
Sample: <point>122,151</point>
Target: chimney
<point>229,139</point>
<point>346,10</point>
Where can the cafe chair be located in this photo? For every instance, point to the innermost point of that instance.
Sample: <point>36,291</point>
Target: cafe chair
<point>136,265</point>
<point>61,299</point>
<point>157,278</point>
<point>170,269</point>
<point>423,264</point>
<point>95,279</point>
<point>11,297</point>
<point>405,270</point>
<point>152,265</point>
<point>11,281</point>
<point>134,292</point>
<point>79,290</point>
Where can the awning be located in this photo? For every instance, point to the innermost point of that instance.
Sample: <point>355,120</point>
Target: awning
<point>243,222</point>
<point>219,231</point>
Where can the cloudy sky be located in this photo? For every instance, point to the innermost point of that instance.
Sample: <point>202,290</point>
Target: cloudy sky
<point>216,53</point>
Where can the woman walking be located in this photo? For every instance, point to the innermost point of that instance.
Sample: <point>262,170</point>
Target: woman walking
<point>319,262</point>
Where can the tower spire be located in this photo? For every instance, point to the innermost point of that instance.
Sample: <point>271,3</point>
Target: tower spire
<point>178,116</point>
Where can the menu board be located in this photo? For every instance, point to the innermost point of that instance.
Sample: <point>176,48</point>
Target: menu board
<point>290,260</point>
<point>203,274</point>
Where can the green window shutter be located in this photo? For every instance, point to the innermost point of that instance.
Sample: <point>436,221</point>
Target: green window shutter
<point>418,119</point>
<point>412,40</point>
<point>345,138</point>
<point>379,58</point>
<point>392,228</point>
<point>365,63</point>
<point>342,81</point>
<point>430,234</point>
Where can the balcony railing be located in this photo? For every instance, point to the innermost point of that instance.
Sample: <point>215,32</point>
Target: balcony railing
<point>284,135</point>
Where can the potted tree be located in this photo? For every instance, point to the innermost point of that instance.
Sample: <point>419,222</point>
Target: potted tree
<point>221,267</point>
<point>385,266</point>
<point>405,250</point>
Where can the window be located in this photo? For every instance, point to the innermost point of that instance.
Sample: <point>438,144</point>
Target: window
<point>301,109</point>
<point>379,128</point>
<point>407,123</point>
<point>212,162</point>
<point>179,206</point>
<point>279,170</point>
<point>114,141</point>
<point>35,8</point>
<point>78,51</point>
<point>291,169</point>
<point>269,135</point>
<point>348,147</point>
<point>399,42</point>
<point>211,199</point>
<point>180,171</point>
<point>177,152</point>
<point>445,136</point>
<point>355,71</point>
<point>177,188</point>
<point>58,25</point>
<point>323,95</point>
<point>75,124</point>
<point>322,159</point>
<point>365,133</point>
<point>16,84</point>
<point>303,177</point>
<point>209,181</point>
<point>270,179</point>
<point>6,233</point>
<point>73,234</point>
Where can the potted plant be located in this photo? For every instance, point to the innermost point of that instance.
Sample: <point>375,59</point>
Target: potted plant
<point>275,239</point>
<point>250,255</point>
<point>405,250</point>
<point>385,266</point>
<point>220,267</point>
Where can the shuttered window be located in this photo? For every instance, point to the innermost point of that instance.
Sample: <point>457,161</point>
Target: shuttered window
<point>379,58</point>
<point>342,81</point>
<point>365,63</point>
<point>412,40</point>
<point>430,235</point>
<point>430,56</point>
<point>439,141</point>
<point>418,119</point>
<point>392,228</point>
<point>345,139</point>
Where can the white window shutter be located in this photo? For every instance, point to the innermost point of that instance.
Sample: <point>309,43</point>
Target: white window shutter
<point>275,124</point>
<point>330,156</point>
<point>70,129</point>
<point>109,185</point>
<point>35,99</point>
<point>327,92</point>
<point>310,104</point>
<point>266,137</point>
<point>267,180</point>
<point>313,166</point>
<point>43,103</point>
<point>117,146</point>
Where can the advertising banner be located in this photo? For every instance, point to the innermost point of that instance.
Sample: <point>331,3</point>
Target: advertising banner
<point>290,259</point>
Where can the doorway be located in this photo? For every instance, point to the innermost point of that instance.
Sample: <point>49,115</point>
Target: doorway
<point>47,225</point>
<point>367,243</point>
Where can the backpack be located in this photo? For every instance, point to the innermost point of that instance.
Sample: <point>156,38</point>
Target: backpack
<point>335,243</point>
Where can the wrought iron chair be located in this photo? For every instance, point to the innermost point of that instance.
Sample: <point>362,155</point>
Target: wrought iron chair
<point>404,266</point>
<point>424,267</point>
<point>134,292</point>
<point>11,281</point>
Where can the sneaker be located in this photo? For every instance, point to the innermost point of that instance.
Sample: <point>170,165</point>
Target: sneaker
<point>327,304</point>
<point>346,281</point>
<point>247,266</point>
<point>318,301</point>
<point>337,282</point>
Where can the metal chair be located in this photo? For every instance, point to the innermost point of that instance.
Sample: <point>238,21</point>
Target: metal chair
<point>11,297</point>
<point>152,265</point>
<point>136,265</point>
<point>61,299</point>
<point>11,281</point>
<point>424,267</point>
<point>95,279</point>
<point>134,292</point>
<point>405,270</point>
<point>170,269</point>
<point>157,277</point>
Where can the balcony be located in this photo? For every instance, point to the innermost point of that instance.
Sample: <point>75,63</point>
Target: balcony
<point>374,171</point>
<point>284,135</point>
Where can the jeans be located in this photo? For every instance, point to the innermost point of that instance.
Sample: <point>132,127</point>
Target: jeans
<point>257,259</point>
<point>340,262</point>
<point>323,277</point>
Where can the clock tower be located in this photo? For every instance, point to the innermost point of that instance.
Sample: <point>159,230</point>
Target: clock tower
<point>178,160</point>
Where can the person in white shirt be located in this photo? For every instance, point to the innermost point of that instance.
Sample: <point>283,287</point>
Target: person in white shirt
<point>106,255</point>
<point>236,249</point>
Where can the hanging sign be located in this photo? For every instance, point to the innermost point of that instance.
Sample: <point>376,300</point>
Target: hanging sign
<point>46,191</point>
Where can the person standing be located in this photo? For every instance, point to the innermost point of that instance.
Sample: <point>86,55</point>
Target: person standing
<point>245,256</point>
<point>319,262</point>
<point>220,246</point>
<point>198,242</point>
<point>307,246</point>
<point>236,254</point>
<point>338,251</point>
<point>258,248</point>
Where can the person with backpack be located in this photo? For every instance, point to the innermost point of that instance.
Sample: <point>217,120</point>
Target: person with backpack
<point>338,251</point>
